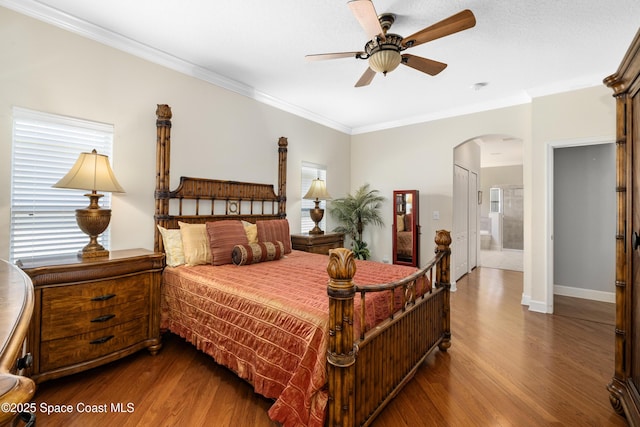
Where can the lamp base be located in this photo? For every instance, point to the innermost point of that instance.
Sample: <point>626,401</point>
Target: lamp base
<point>93,220</point>
<point>91,254</point>
<point>316,215</point>
<point>316,230</point>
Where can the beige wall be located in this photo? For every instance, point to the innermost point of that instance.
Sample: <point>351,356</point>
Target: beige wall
<point>233,137</point>
<point>567,119</point>
<point>421,157</point>
<point>49,69</point>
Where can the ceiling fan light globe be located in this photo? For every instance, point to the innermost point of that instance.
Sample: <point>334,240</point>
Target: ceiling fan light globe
<point>384,61</point>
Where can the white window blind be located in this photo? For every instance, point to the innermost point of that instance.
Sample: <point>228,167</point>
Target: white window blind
<point>45,147</point>
<point>310,172</point>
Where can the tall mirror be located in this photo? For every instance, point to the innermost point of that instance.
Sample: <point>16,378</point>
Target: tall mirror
<point>406,230</point>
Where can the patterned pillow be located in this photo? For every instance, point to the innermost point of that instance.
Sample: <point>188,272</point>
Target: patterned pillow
<point>257,252</point>
<point>172,242</point>
<point>195,243</point>
<point>276,230</point>
<point>223,236</point>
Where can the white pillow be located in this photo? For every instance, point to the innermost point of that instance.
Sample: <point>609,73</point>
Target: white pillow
<point>173,251</point>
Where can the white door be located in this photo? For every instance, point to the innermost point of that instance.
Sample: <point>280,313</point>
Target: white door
<point>473,220</point>
<point>460,245</point>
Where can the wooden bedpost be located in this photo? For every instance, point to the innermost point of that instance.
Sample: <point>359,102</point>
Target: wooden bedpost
<point>163,159</point>
<point>443,271</point>
<point>282,176</point>
<point>341,352</point>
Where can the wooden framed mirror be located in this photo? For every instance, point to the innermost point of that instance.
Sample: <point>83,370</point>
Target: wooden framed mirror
<point>406,231</point>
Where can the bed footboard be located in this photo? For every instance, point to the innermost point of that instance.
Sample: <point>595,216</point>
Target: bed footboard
<point>367,372</point>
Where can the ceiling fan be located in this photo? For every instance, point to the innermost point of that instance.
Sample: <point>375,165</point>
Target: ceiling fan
<point>384,49</point>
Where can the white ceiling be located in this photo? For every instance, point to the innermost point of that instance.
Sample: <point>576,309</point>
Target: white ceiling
<point>521,48</point>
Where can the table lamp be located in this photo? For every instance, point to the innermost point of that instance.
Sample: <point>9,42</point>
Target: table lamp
<point>317,192</point>
<point>92,172</point>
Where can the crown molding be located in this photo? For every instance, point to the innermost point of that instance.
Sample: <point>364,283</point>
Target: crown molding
<point>47,14</point>
<point>55,17</point>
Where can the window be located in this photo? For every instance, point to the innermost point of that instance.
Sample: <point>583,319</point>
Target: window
<point>310,172</point>
<point>495,200</point>
<point>44,148</point>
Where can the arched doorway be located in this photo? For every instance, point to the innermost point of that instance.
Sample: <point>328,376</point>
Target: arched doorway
<point>480,165</point>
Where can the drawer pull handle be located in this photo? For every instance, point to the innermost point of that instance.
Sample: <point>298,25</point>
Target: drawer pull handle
<point>101,340</point>
<point>103,297</point>
<point>104,318</point>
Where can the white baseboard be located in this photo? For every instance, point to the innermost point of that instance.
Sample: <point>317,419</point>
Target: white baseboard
<point>539,307</point>
<point>590,294</point>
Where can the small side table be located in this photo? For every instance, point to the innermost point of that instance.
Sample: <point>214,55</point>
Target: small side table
<point>317,243</point>
<point>90,312</point>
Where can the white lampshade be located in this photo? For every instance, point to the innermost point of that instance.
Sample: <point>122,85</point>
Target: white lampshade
<point>317,191</point>
<point>384,61</point>
<point>91,172</point>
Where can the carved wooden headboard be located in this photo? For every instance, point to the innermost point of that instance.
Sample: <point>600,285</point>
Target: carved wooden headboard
<point>200,200</point>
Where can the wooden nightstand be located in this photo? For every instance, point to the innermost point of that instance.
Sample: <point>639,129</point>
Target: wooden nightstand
<point>317,243</point>
<point>90,312</point>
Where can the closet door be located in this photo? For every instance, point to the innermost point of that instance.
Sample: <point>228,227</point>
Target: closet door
<point>460,247</point>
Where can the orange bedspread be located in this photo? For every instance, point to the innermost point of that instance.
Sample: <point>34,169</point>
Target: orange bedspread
<point>268,322</point>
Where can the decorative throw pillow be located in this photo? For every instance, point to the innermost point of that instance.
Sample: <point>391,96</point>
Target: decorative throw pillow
<point>172,242</point>
<point>276,230</point>
<point>257,252</point>
<point>400,223</point>
<point>195,243</point>
<point>223,236</point>
<point>251,230</point>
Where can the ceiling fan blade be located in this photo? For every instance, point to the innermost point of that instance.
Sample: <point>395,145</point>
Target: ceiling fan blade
<point>365,13</point>
<point>366,78</point>
<point>453,24</point>
<point>425,65</point>
<point>338,55</point>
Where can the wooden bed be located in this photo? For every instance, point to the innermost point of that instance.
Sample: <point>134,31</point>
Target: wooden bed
<point>365,366</point>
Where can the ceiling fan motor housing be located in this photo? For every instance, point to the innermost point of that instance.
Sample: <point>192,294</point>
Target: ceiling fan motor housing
<point>384,54</point>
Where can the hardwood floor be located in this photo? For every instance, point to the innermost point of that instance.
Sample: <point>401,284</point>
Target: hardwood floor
<point>507,366</point>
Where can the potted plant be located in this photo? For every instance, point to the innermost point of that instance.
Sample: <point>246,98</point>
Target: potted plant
<point>354,212</point>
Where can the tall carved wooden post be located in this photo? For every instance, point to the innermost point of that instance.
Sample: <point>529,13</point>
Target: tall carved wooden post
<point>623,387</point>
<point>282,176</point>
<point>341,353</point>
<point>163,160</point>
<point>443,271</point>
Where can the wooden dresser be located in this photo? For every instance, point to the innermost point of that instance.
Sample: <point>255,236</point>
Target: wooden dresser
<point>317,243</point>
<point>90,312</point>
<point>16,307</point>
<point>624,387</point>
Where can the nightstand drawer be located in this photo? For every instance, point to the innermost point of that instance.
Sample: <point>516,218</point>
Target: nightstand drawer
<point>74,323</point>
<point>79,348</point>
<point>105,293</point>
<point>73,310</point>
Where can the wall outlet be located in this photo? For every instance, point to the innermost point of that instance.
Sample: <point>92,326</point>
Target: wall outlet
<point>436,215</point>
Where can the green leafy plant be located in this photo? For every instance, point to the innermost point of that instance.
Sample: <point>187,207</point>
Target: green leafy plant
<point>353,213</point>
